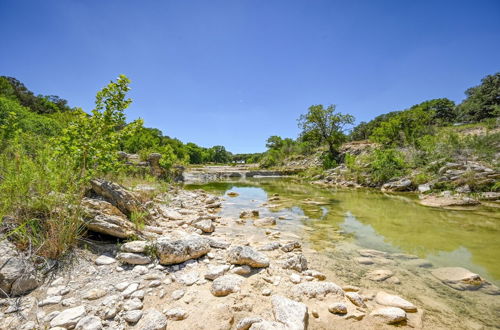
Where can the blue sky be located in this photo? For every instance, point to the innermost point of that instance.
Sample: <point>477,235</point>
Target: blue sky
<point>235,72</point>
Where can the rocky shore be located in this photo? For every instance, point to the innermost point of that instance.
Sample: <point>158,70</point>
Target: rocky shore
<point>186,267</point>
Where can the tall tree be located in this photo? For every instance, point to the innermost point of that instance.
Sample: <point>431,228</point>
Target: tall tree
<point>327,124</point>
<point>482,101</point>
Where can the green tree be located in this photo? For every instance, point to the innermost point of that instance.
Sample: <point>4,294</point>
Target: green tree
<point>218,154</point>
<point>92,141</point>
<point>405,128</point>
<point>442,110</point>
<point>482,101</point>
<point>326,124</point>
<point>195,153</point>
<point>274,142</point>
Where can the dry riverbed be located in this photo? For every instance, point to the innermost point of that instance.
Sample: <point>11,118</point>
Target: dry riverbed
<point>192,269</point>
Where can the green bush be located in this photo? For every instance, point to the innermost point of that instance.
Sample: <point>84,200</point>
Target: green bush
<point>387,164</point>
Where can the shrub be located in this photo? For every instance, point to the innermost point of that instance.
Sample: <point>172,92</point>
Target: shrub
<point>387,164</point>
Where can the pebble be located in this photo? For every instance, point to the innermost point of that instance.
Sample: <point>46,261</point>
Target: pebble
<point>104,260</point>
<point>295,279</point>
<point>337,308</point>
<point>178,294</point>
<point>50,301</point>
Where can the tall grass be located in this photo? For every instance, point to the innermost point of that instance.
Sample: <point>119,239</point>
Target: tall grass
<point>39,199</point>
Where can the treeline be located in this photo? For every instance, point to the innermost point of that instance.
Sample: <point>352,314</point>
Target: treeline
<point>47,116</point>
<point>324,127</point>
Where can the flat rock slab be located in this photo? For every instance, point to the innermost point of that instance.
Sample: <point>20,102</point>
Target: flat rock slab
<point>69,317</point>
<point>379,275</point>
<point>386,299</point>
<point>458,278</point>
<point>389,315</point>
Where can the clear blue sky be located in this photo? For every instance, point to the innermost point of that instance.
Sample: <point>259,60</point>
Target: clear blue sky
<point>235,72</point>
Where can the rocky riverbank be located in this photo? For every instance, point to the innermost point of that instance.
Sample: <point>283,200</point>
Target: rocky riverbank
<point>185,267</point>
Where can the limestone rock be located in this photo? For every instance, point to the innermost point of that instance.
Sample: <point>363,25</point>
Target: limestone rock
<point>177,251</point>
<point>206,226</point>
<point>152,320</point>
<point>224,285</point>
<point>268,221</point>
<point>269,246</point>
<point>69,317</point>
<point>216,271</point>
<point>135,246</point>
<point>89,323</point>
<point>132,304</point>
<point>245,255</point>
<point>102,217</point>
<point>132,316</point>
<point>189,278</point>
<point>379,275</point>
<point>458,278</point>
<point>178,294</point>
<point>447,201</point>
<point>372,253</point>
<point>337,308</point>
<point>104,260</point>
<point>296,262</point>
<point>355,299</point>
<point>94,294</point>
<point>314,273</point>
<point>117,195</point>
<point>17,274</point>
<point>316,290</point>
<point>291,313</point>
<point>386,299</point>
<point>246,323</point>
<point>133,258</point>
<point>176,314</point>
<point>389,315</point>
<point>242,270</point>
<point>399,185</point>
<point>290,246</point>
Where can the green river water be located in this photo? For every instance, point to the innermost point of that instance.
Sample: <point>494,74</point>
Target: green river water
<point>333,224</point>
<point>370,219</point>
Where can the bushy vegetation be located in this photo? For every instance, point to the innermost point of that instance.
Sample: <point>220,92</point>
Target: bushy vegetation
<point>49,152</point>
<point>413,142</point>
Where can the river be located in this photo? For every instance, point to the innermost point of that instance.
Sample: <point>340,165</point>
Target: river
<point>336,223</point>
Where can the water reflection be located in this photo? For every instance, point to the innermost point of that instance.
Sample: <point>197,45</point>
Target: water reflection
<point>392,223</point>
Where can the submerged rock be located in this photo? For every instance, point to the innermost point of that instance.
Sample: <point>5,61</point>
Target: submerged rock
<point>268,221</point>
<point>458,278</point>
